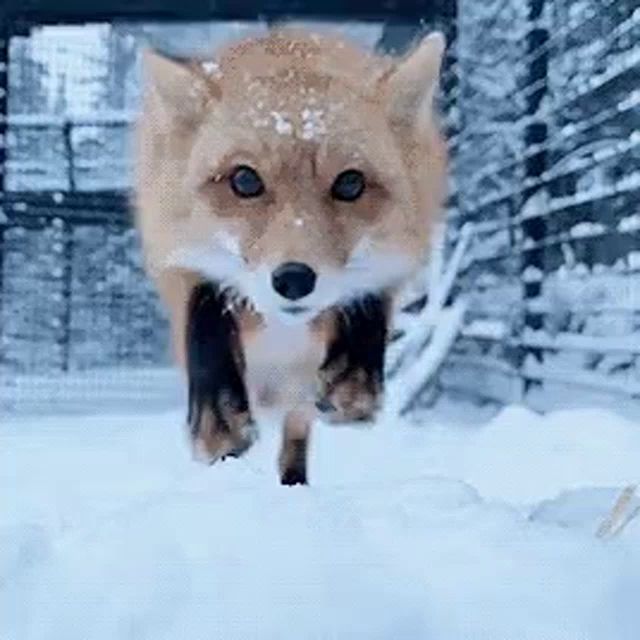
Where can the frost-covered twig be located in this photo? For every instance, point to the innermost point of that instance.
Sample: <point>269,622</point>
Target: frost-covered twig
<point>619,516</point>
<point>405,388</point>
<point>436,260</point>
<point>440,285</point>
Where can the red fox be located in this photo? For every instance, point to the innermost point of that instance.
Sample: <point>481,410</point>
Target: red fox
<point>285,190</point>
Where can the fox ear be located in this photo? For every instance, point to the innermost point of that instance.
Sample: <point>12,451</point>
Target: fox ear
<point>413,81</point>
<point>182,87</point>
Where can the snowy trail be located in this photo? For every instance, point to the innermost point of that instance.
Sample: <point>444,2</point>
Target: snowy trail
<point>108,530</point>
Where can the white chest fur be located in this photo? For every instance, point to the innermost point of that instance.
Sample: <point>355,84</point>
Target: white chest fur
<point>282,362</point>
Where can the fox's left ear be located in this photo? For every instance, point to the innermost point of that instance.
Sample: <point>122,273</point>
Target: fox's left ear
<point>412,82</point>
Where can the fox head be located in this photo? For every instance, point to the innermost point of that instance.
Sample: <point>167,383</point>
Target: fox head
<point>297,170</point>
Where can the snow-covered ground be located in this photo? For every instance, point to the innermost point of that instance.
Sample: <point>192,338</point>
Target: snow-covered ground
<point>451,529</point>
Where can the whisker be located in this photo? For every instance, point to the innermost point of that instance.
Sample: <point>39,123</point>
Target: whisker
<point>344,314</point>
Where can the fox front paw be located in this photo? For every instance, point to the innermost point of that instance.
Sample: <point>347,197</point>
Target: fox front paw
<point>221,432</point>
<point>352,374</point>
<point>219,417</point>
<point>354,395</point>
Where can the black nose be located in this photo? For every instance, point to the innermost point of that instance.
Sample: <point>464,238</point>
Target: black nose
<point>293,280</point>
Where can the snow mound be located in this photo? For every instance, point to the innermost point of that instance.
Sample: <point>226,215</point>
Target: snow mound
<point>443,530</point>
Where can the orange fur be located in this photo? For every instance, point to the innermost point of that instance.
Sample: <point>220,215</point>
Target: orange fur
<point>300,109</point>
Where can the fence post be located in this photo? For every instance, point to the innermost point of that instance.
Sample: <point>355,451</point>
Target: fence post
<point>4,112</point>
<point>67,291</point>
<point>67,256</point>
<point>68,150</point>
<point>534,230</point>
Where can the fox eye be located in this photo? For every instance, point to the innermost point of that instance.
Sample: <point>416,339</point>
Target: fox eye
<point>348,186</point>
<point>246,183</point>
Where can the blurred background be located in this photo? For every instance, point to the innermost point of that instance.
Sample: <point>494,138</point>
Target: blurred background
<point>541,107</point>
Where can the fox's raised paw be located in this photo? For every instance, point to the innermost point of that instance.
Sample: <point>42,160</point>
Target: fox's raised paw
<point>352,396</point>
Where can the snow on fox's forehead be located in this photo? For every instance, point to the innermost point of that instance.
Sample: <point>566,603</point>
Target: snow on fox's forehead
<point>306,120</point>
<point>294,86</point>
<point>297,109</point>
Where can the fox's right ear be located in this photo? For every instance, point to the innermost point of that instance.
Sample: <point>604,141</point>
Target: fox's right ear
<point>413,81</point>
<point>182,87</point>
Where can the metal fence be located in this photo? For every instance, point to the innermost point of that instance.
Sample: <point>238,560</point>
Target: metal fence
<point>74,294</point>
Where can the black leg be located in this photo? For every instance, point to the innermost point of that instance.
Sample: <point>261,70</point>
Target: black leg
<point>352,374</point>
<point>295,448</point>
<point>294,471</point>
<point>219,415</point>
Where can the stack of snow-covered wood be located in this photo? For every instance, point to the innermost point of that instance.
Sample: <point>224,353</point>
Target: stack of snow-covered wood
<point>585,290</point>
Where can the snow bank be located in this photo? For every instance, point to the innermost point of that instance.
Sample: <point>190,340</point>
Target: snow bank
<point>440,531</point>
